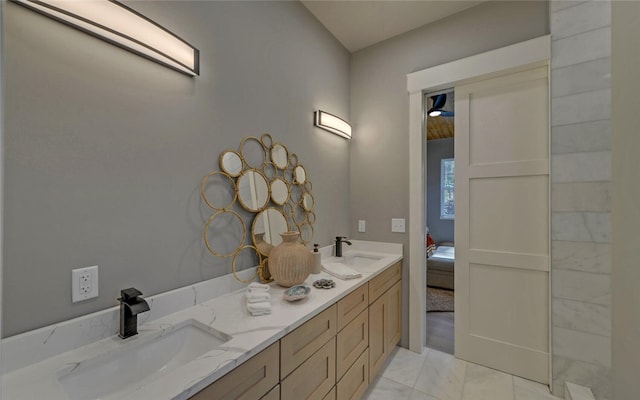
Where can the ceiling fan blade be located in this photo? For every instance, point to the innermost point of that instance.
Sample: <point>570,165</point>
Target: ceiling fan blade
<point>439,101</point>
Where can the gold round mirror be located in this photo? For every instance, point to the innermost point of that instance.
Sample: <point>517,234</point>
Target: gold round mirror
<point>279,191</point>
<point>218,190</point>
<point>299,174</point>
<point>225,233</point>
<point>266,229</point>
<point>279,156</point>
<point>231,163</point>
<point>306,232</point>
<point>307,201</point>
<point>298,214</point>
<point>295,193</point>
<point>253,190</point>
<point>245,258</point>
<point>253,152</point>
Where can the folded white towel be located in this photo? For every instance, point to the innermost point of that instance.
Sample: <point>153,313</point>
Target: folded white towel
<point>341,271</point>
<point>257,287</point>
<point>260,308</point>
<point>257,297</point>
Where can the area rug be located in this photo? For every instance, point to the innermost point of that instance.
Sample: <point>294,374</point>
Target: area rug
<point>439,299</point>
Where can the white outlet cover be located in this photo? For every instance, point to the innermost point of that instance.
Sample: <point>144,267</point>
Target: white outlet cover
<point>397,225</point>
<point>84,283</point>
<point>362,225</point>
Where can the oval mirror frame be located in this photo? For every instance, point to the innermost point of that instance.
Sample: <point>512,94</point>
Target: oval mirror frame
<point>212,218</point>
<point>299,175</point>
<point>231,163</point>
<point>265,238</point>
<point>203,190</point>
<point>255,194</point>
<point>307,201</point>
<point>279,191</point>
<point>252,148</point>
<point>279,155</point>
<point>299,214</point>
<point>266,140</point>
<point>234,268</point>
<point>306,232</point>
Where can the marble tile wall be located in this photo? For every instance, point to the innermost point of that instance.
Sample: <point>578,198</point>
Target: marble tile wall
<point>581,194</point>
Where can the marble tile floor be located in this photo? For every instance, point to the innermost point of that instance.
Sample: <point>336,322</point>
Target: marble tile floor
<point>434,375</point>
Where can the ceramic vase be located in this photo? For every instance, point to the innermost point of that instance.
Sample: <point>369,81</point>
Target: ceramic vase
<point>290,261</point>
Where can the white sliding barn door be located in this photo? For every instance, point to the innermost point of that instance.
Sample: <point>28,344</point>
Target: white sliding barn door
<point>502,223</point>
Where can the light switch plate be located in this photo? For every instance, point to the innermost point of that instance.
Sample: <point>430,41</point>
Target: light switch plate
<point>397,225</point>
<point>84,283</point>
<point>362,225</point>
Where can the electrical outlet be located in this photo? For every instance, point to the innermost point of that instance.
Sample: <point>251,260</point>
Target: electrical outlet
<point>84,283</point>
<point>397,225</point>
<point>362,225</point>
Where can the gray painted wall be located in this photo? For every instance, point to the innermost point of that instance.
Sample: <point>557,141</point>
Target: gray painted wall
<point>626,197</point>
<point>380,104</point>
<point>441,229</point>
<point>105,150</point>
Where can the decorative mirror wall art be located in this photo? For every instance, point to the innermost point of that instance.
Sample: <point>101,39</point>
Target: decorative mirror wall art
<point>264,180</point>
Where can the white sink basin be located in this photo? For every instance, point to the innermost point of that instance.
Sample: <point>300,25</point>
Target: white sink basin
<point>142,360</point>
<point>359,261</point>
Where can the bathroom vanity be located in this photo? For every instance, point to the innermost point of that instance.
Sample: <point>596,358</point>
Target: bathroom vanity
<point>328,345</point>
<point>334,355</point>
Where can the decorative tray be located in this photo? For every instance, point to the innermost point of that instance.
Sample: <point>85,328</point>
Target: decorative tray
<point>295,293</point>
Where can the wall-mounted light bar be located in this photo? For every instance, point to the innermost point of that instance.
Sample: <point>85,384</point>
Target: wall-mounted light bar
<point>118,24</point>
<point>331,123</point>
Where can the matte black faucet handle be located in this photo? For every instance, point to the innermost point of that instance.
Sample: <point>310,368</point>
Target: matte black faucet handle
<point>339,238</point>
<point>130,293</point>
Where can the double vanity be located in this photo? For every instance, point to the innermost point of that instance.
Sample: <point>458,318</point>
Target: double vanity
<point>327,346</point>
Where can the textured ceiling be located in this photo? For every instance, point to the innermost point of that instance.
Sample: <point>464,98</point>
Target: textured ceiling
<point>362,23</point>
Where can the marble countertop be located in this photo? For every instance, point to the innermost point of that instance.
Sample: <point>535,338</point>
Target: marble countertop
<point>226,313</point>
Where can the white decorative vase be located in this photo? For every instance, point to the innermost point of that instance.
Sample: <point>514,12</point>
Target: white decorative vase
<point>290,262</point>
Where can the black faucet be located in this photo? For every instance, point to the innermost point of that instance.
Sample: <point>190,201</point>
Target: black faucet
<point>339,241</point>
<point>130,306</point>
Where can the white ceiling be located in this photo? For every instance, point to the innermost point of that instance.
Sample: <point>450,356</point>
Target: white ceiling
<point>361,23</point>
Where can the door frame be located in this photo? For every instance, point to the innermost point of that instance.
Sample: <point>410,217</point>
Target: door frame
<point>519,56</point>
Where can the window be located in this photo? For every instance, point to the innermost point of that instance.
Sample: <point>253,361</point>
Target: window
<point>447,186</point>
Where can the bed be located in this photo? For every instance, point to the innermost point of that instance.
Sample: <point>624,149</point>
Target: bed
<point>440,267</point>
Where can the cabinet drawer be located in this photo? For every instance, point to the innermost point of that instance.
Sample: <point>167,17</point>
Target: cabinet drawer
<point>298,345</point>
<point>331,395</point>
<point>352,305</point>
<point>351,342</point>
<point>314,378</point>
<point>355,381</point>
<point>249,381</point>
<point>274,394</point>
<point>382,282</point>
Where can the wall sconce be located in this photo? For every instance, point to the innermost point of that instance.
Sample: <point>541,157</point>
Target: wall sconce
<point>118,24</point>
<point>331,123</point>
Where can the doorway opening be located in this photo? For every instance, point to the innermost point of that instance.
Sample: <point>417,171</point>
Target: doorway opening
<point>440,214</point>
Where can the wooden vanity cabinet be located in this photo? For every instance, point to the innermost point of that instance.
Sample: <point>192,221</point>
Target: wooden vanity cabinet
<point>352,343</point>
<point>355,380</point>
<point>333,356</point>
<point>305,340</point>
<point>274,394</point>
<point>352,305</point>
<point>251,380</point>
<point>314,378</point>
<point>385,314</point>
